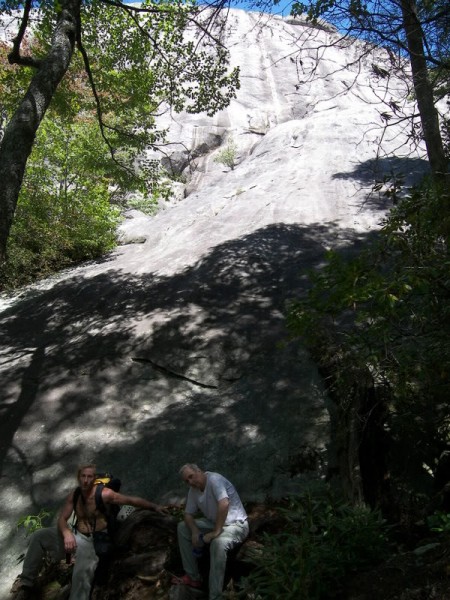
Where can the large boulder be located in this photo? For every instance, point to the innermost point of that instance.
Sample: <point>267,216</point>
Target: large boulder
<point>175,349</point>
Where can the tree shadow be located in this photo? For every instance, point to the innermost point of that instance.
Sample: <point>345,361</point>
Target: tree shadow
<point>147,371</point>
<point>407,169</point>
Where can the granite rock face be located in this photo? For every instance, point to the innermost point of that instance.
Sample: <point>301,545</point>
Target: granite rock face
<point>174,347</point>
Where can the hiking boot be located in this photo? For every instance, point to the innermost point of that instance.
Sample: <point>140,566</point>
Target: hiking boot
<point>187,580</point>
<point>19,590</point>
<point>16,585</point>
<point>24,593</point>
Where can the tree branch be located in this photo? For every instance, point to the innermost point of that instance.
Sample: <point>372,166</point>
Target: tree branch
<point>14,56</point>
<point>98,105</point>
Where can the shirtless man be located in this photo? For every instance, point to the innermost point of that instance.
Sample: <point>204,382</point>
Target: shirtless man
<point>63,540</point>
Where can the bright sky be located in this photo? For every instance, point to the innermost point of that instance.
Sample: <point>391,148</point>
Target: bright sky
<point>282,8</point>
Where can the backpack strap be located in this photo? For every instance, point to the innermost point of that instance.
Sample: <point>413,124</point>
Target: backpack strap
<point>109,511</point>
<point>99,504</point>
<point>75,498</point>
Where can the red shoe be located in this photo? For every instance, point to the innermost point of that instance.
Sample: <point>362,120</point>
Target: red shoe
<point>187,580</point>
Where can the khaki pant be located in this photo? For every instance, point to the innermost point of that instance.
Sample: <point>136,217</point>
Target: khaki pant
<point>231,536</point>
<point>50,540</point>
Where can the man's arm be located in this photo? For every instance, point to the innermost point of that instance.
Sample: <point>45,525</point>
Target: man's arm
<point>69,539</point>
<point>111,497</point>
<point>222,512</point>
<point>195,531</point>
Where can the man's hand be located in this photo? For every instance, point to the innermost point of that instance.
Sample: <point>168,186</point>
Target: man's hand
<point>70,544</point>
<point>208,537</point>
<point>161,509</point>
<point>196,541</point>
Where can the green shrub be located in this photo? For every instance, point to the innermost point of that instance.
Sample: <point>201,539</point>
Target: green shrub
<point>439,522</point>
<point>147,205</point>
<point>32,523</point>
<point>64,214</point>
<point>323,541</point>
<point>385,312</point>
<point>227,156</point>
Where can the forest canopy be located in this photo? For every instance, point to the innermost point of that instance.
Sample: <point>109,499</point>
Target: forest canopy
<point>144,58</point>
<point>377,323</point>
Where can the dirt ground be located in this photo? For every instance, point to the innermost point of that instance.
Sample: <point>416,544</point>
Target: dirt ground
<point>419,574</point>
<point>145,570</point>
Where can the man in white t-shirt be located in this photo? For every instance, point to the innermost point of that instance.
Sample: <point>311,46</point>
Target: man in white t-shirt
<point>223,526</point>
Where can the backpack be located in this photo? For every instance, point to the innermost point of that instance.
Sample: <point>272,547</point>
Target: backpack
<point>110,511</point>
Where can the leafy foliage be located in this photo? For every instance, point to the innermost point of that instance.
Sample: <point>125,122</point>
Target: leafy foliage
<point>439,522</point>
<point>387,310</point>
<point>32,523</point>
<point>64,213</point>
<point>382,316</point>
<point>227,156</point>
<point>323,540</point>
<point>146,59</point>
<point>138,62</point>
<point>87,153</point>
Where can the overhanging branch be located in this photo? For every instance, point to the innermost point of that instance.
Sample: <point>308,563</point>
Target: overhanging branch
<point>14,57</point>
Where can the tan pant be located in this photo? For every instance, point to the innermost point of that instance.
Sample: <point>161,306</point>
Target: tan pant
<point>231,536</point>
<point>50,540</point>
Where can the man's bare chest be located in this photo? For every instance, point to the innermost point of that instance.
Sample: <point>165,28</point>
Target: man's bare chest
<point>89,517</point>
<point>86,508</point>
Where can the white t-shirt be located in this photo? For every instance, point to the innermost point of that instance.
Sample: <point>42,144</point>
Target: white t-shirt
<point>216,488</point>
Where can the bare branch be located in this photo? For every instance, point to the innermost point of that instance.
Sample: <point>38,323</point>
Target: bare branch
<point>14,56</point>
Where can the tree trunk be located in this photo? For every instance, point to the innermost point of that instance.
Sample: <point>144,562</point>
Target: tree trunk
<point>424,90</point>
<point>360,442</point>
<point>20,133</point>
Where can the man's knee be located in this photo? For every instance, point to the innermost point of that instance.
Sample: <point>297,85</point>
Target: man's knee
<point>45,539</point>
<point>39,535</point>
<point>219,546</point>
<point>225,545</point>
